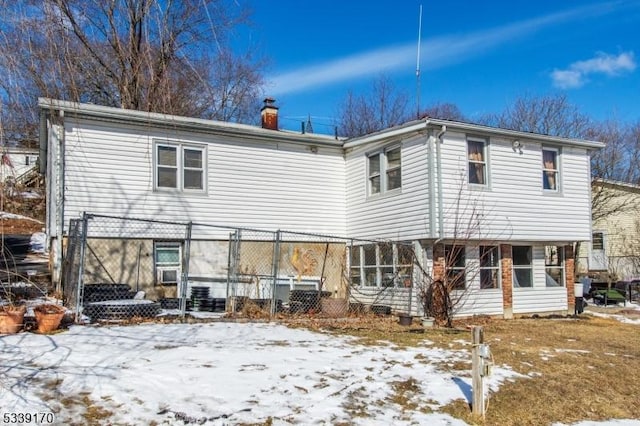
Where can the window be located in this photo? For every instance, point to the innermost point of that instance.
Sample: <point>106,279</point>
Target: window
<point>550,169</point>
<point>168,261</point>
<point>489,267</point>
<point>180,167</point>
<point>597,241</point>
<point>455,266</point>
<point>385,171</point>
<point>554,266</point>
<point>382,265</point>
<point>522,266</point>
<point>477,161</point>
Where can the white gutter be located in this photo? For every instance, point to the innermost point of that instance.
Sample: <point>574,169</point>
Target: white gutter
<point>438,142</point>
<point>173,121</point>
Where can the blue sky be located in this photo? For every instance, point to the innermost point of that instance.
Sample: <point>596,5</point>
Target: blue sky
<point>478,55</point>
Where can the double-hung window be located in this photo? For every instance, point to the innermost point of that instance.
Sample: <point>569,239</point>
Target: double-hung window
<point>455,266</point>
<point>489,267</point>
<point>550,171</point>
<point>477,161</point>
<point>522,266</point>
<point>180,167</point>
<point>554,266</point>
<point>384,170</point>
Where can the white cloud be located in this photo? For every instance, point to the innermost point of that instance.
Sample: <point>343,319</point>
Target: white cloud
<point>576,74</point>
<point>440,51</point>
<point>567,79</point>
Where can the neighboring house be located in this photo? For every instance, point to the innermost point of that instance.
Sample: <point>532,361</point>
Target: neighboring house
<point>18,164</point>
<point>509,204</point>
<point>614,249</point>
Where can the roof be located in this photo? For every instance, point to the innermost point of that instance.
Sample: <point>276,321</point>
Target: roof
<point>255,132</point>
<point>417,126</point>
<point>113,114</point>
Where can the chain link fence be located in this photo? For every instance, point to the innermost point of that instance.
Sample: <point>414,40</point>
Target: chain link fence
<point>117,268</point>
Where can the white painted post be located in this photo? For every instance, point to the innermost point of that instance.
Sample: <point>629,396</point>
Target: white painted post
<point>477,375</point>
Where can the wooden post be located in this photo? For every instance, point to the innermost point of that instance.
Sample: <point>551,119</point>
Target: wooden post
<point>477,379</point>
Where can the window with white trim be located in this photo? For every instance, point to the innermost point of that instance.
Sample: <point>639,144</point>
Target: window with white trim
<point>477,159</point>
<point>554,266</point>
<point>382,265</point>
<point>550,170</point>
<point>167,262</point>
<point>384,170</point>
<point>455,266</point>
<point>489,267</point>
<point>180,167</point>
<point>522,266</point>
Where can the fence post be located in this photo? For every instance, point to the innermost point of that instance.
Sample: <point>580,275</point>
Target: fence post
<point>185,270</point>
<point>80,284</point>
<point>276,265</point>
<point>477,379</point>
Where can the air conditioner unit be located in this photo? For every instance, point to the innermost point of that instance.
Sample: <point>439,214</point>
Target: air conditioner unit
<point>168,276</point>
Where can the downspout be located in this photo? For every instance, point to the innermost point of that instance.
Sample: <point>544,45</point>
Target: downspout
<point>59,165</point>
<point>432,187</point>
<point>438,142</point>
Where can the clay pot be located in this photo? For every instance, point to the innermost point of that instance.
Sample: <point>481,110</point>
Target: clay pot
<point>48,317</point>
<point>11,319</point>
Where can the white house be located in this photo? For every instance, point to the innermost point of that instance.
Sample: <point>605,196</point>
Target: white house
<point>506,204</point>
<point>17,163</point>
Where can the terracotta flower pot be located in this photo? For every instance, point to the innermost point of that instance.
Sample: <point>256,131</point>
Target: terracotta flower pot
<point>48,317</point>
<point>11,319</point>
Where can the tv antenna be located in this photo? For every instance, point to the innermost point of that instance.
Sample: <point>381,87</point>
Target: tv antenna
<point>418,65</point>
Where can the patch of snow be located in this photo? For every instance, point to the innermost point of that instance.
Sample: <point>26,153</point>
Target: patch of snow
<point>38,240</point>
<point>228,373</point>
<point>6,215</point>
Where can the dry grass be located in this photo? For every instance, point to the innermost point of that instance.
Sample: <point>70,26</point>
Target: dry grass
<point>577,369</point>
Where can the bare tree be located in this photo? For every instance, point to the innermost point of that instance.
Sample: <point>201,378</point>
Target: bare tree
<point>384,107</point>
<point>444,111</point>
<point>164,56</point>
<point>547,115</point>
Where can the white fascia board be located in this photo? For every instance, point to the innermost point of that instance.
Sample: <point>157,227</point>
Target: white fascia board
<point>188,123</point>
<point>515,134</point>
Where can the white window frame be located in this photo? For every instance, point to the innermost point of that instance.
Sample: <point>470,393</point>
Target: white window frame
<point>521,267</point>
<point>555,171</point>
<point>162,267</point>
<point>550,266</point>
<point>482,162</point>
<point>180,168</point>
<point>380,274</point>
<point>384,170</point>
<point>493,269</point>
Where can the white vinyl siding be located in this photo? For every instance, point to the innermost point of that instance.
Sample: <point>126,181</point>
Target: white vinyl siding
<point>515,207</point>
<point>263,185</point>
<point>397,215</point>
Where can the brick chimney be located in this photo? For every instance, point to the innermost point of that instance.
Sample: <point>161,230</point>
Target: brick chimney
<point>269,114</point>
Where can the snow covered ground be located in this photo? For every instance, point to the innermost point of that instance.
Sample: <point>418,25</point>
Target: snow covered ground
<point>228,373</point>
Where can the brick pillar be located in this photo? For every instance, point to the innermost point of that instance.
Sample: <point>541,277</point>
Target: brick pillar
<point>570,272</point>
<point>438,262</point>
<point>506,266</point>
